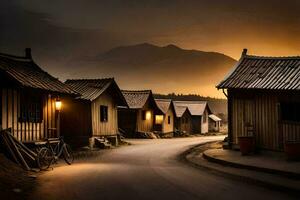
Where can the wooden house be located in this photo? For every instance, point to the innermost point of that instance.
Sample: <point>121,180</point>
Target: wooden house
<point>30,98</point>
<point>199,114</point>
<point>264,95</point>
<point>214,123</point>
<point>165,123</point>
<point>183,119</point>
<point>93,114</point>
<point>139,117</point>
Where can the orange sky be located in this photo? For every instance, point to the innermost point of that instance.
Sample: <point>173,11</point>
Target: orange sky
<point>65,33</point>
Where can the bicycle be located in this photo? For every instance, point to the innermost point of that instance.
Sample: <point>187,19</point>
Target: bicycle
<point>52,150</point>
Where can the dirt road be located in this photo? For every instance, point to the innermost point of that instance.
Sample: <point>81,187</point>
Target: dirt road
<point>148,169</point>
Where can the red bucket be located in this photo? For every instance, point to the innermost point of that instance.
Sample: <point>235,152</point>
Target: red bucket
<point>246,144</point>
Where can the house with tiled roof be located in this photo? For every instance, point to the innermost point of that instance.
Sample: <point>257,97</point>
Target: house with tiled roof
<point>263,101</point>
<point>94,113</point>
<point>165,122</point>
<point>199,111</point>
<point>30,98</point>
<point>139,117</point>
<point>183,119</point>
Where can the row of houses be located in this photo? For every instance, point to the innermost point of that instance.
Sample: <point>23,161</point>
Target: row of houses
<point>36,106</point>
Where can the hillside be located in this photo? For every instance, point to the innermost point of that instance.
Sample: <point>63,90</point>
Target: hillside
<point>164,69</point>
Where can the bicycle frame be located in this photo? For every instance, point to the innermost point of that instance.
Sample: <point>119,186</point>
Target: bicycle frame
<point>58,149</point>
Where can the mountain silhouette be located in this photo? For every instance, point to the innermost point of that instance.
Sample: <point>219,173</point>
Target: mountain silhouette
<point>164,69</point>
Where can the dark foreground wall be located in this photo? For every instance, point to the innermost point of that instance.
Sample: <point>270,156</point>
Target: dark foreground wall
<point>263,110</point>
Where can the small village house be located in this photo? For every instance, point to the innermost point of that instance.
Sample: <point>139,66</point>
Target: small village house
<point>214,123</point>
<point>94,113</point>
<point>183,119</point>
<point>264,96</point>
<point>139,117</point>
<point>30,98</point>
<point>165,123</point>
<point>199,114</point>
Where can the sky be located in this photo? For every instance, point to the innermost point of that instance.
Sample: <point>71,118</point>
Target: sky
<point>64,34</point>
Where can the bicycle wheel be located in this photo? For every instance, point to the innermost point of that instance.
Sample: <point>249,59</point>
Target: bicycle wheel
<point>68,154</point>
<point>44,158</point>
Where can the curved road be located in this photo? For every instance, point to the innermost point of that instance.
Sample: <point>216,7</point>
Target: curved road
<point>148,169</point>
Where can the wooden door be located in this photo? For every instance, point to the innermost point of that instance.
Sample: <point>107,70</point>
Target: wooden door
<point>243,116</point>
<point>249,117</point>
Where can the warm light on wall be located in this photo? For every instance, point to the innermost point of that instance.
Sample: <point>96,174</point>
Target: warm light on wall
<point>148,115</point>
<point>58,104</point>
<point>159,119</point>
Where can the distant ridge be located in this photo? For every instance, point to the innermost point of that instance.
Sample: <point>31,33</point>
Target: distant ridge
<point>163,69</point>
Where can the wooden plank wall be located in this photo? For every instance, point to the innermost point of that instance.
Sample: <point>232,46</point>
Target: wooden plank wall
<point>261,110</point>
<point>168,128</point>
<point>26,131</point>
<point>187,127</point>
<point>76,121</point>
<point>127,119</point>
<point>204,125</point>
<point>104,128</point>
<point>145,125</point>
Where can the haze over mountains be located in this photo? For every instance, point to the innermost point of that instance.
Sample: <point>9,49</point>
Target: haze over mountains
<point>164,69</point>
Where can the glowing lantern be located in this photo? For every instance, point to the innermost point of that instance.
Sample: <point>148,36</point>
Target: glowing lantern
<point>148,115</point>
<point>159,119</point>
<point>58,104</point>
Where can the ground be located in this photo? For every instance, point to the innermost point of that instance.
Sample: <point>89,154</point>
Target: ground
<point>147,169</point>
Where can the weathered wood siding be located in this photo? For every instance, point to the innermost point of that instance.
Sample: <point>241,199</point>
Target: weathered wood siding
<point>261,110</point>
<point>204,122</point>
<point>168,128</point>
<point>27,131</point>
<point>182,125</point>
<point>76,121</point>
<point>110,127</point>
<point>196,124</point>
<point>127,120</point>
<point>147,124</point>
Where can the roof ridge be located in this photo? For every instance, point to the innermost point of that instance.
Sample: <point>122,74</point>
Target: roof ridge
<point>10,56</point>
<point>271,57</point>
<point>136,91</point>
<point>191,101</point>
<point>86,79</point>
<point>162,99</point>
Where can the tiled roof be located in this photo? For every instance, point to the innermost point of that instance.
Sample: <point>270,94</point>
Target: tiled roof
<point>214,117</point>
<point>90,89</point>
<point>196,108</point>
<point>29,74</point>
<point>180,110</point>
<point>163,104</point>
<point>136,99</point>
<point>255,72</point>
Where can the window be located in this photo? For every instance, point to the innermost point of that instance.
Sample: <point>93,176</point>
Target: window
<point>186,120</point>
<point>159,119</point>
<point>143,114</point>
<point>290,111</point>
<point>146,115</point>
<point>169,119</point>
<point>30,108</point>
<point>103,113</point>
